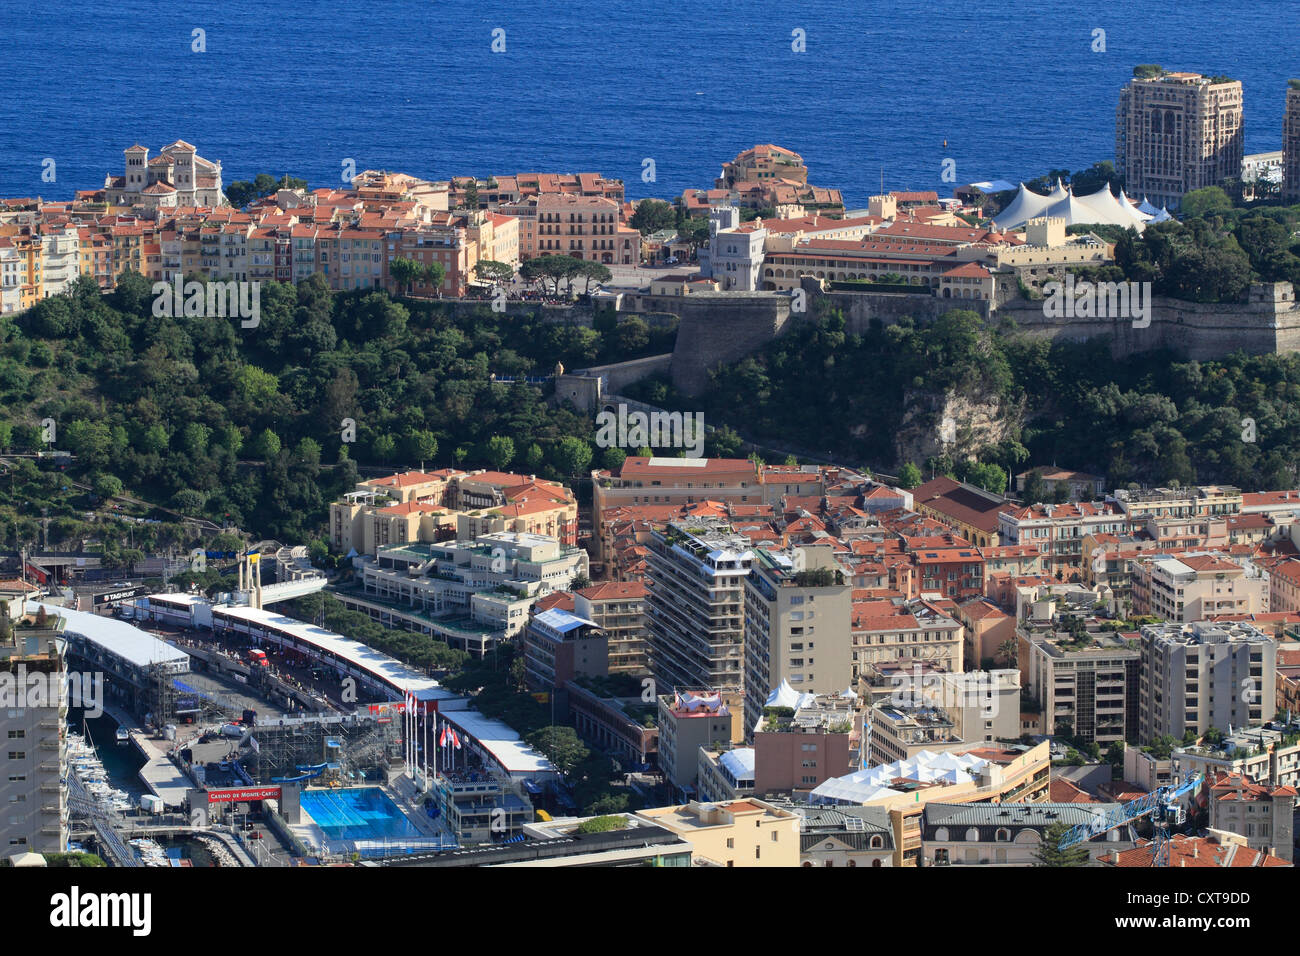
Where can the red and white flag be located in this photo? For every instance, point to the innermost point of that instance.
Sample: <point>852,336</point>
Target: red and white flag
<point>455,740</point>
<point>442,741</point>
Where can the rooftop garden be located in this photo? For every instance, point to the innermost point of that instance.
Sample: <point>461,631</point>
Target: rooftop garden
<point>612,685</point>
<point>778,720</point>
<point>819,578</point>
<point>602,824</point>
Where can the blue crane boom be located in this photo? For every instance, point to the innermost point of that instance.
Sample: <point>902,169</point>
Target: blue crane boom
<point>1160,804</point>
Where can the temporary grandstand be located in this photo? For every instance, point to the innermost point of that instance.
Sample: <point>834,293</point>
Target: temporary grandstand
<point>139,670</point>
<point>390,678</point>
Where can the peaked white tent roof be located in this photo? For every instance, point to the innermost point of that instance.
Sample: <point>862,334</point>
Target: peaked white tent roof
<point>1027,205</point>
<point>786,696</point>
<point>1130,209</point>
<point>1146,207</point>
<point>865,786</point>
<point>689,701</point>
<point>1062,203</point>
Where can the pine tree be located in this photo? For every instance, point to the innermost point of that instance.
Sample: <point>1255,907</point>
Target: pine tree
<point>1049,854</point>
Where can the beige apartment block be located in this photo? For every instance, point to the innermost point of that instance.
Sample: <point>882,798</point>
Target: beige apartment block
<point>1291,143</point>
<point>1193,587</point>
<point>1178,131</point>
<point>584,227</point>
<point>1206,674</point>
<point>1263,814</point>
<point>33,742</point>
<point>1088,685</point>
<point>618,607</point>
<point>798,609</point>
<point>740,833</point>
<point>689,720</point>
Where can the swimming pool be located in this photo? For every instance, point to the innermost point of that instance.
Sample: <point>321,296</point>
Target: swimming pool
<point>358,814</point>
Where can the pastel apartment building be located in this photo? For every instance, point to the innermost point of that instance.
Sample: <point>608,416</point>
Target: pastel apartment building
<point>906,631</point>
<point>1087,682</point>
<point>618,609</point>
<point>424,507</point>
<point>1058,531</point>
<point>584,227</point>
<point>762,163</point>
<point>497,191</point>
<point>1284,586</point>
<point>739,833</point>
<point>672,481</point>
<point>1263,814</point>
<point>800,746</point>
<point>1193,587</point>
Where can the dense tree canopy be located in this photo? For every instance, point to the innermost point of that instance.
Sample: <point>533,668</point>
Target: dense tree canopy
<point>212,420</point>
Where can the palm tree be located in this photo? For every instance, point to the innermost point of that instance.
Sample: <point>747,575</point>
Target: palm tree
<point>1009,651</point>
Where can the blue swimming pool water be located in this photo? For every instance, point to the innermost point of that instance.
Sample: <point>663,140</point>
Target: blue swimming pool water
<point>361,813</point>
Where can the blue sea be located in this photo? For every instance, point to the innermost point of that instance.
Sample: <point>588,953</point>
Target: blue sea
<point>414,85</point>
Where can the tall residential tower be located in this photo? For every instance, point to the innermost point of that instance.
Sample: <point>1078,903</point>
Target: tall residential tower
<point>1175,132</point>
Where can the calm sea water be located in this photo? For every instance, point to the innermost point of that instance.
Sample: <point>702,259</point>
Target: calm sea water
<point>122,761</point>
<point>413,85</point>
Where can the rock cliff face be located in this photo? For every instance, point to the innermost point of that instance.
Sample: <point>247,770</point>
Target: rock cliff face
<point>959,424</point>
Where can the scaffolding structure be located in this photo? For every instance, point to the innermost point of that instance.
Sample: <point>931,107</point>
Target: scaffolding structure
<point>359,744</point>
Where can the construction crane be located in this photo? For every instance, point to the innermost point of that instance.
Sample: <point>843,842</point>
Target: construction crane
<point>1163,805</point>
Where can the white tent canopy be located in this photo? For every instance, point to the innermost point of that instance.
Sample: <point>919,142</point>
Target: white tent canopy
<point>1099,207</point>
<point>786,696</point>
<point>689,701</point>
<point>865,786</point>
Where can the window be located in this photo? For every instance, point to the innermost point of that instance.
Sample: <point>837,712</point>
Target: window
<point>731,843</point>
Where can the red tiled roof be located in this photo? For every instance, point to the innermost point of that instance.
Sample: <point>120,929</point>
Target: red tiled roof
<point>1187,851</point>
<point>614,590</point>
